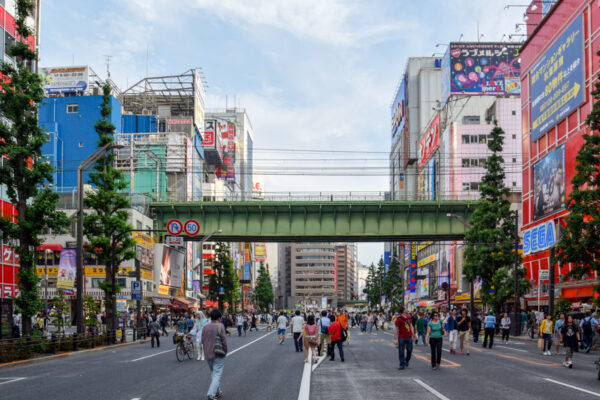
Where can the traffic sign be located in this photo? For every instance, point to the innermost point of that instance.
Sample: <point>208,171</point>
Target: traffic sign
<point>174,240</point>
<point>136,290</point>
<point>191,227</point>
<point>544,274</point>
<point>174,227</point>
<point>221,290</point>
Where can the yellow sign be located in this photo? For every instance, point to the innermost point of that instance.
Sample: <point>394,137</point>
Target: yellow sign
<point>147,274</point>
<point>143,239</point>
<point>52,271</point>
<point>463,296</point>
<point>99,271</point>
<point>427,260</point>
<point>422,245</point>
<point>162,289</point>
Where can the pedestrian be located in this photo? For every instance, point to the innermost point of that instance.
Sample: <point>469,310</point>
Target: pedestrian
<point>253,323</point>
<point>310,332</point>
<point>403,335</point>
<point>569,337</point>
<point>196,331</point>
<point>546,329</point>
<point>452,329</point>
<point>363,322</point>
<point>181,325</point>
<point>282,323</point>
<point>505,326</point>
<point>324,339</point>
<point>587,325</point>
<point>269,322</point>
<point>557,328</point>
<point>434,336</point>
<point>343,320</point>
<point>240,323</point>
<point>246,325</point>
<point>370,322</point>
<point>297,329</point>
<point>420,327</point>
<point>214,343</point>
<point>336,334</point>
<point>476,327</point>
<point>489,324</point>
<point>154,333</point>
<point>164,320</point>
<point>464,326</point>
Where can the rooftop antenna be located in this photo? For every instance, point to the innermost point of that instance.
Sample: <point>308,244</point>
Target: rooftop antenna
<point>108,57</point>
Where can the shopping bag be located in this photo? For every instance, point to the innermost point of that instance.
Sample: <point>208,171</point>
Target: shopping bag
<point>540,344</point>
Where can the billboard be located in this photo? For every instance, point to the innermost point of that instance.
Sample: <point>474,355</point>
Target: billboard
<point>171,267</point>
<point>247,272</point>
<point>423,282</point>
<point>445,77</point>
<point>549,183</point>
<point>412,286</point>
<point>430,140</point>
<point>482,69</point>
<point>67,269</point>
<point>399,109</point>
<point>557,80</point>
<point>260,252</point>
<point>228,133</point>
<point>65,79</point>
<point>144,246</point>
<point>199,99</point>
<point>209,142</point>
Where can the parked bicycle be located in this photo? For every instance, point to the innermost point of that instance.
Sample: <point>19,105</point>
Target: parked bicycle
<point>185,347</point>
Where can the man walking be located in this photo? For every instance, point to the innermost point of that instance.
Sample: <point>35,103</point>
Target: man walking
<point>464,326</point>
<point>324,340</point>
<point>403,336</point>
<point>476,327</point>
<point>240,323</point>
<point>452,329</point>
<point>587,325</point>
<point>489,324</point>
<point>297,323</point>
<point>335,333</point>
<point>154,333</point>
<point>420,324</point>
<point>214,352</point>
<point>282,323</point>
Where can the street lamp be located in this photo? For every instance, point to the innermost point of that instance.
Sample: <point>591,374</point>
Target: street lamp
<point>472,286</point>
<point>85,164</point>
<point>204,239</point>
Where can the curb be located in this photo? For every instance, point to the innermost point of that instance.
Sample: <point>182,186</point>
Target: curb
<point>66,354</point>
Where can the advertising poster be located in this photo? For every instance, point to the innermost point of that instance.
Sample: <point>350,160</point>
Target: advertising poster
<point>67,269</point>
<point>210,127</point>
<point>549,183</point>
<point>483,68</point>
<point>259,252</point>
<point>199,99</point>
<point>431,171</point>
<point>144,248</point>
<point>171,271</point>
<point>557,80</point>
<point>413,267</point>
<point>423,282</point>
<point>228,133</point>
<point>324,303</point>
<point>399,109</point>
<point>65,79</point>
<point>430,140</point>
<point>247,272</point>
<point>445,77</point>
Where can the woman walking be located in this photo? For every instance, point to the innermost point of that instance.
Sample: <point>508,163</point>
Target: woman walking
<point>310,335</point>
<point>435,332</point>
<point>557,328</point>
<point>569,337</point>
<point>196,331</point>
<point>546,333</point>
<point>214,341</point>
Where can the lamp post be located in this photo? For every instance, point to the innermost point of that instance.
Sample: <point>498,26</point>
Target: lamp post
<point>471,284</point>
<point>201,272</point>
<point>85,164</point>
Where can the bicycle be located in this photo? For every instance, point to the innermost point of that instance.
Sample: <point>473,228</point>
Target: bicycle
<point>185,347</point>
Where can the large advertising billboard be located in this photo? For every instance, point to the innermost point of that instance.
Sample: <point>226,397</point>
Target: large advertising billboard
<point>423,282</point>
<point>430,140</point>
<point>199,99</point>
<point>482,69</point>
<point>260,252</point>
<point>412,285</point>
<point>171,267</point>
<point>67,269</point>
<point>549,183</point>
<point>557,80</point>
<point>66,79</point>
<point>399,109</point>
<point>228,133</point>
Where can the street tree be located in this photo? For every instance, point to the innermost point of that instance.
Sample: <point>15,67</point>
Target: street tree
<point>224,277</point>
<point>373,285</point>
<point>23,171</point>
<point>489,249</point>
<point>108,234</point>
<point>264,288</point>
<point>393,287</point>
<point>578,243</point>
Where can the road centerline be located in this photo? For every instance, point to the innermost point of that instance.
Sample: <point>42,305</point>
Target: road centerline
<point>12,380</point>
<point>431,390</point>
<point>573,387</point>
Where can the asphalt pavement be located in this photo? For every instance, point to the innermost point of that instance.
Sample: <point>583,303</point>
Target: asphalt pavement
<point>258,367</point>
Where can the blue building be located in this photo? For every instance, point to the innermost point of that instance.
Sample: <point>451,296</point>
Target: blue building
<point>69,122</point>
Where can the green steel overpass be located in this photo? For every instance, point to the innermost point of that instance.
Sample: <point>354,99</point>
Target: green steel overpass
<point>319,220</point>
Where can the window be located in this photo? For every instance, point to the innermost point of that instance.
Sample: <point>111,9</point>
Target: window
<point>514,160</point>
<point>482,162</point>
<point>466,186</point>
<point>514,184</point>
<point>514,136</point>
<point>72,108</point>
<point>474,162</point>
<point>514,112</point>
<point>471,120</point>
<point>138,225</point>
<point>465,139</point>
<point>474,139</point>
<point>482,139</point>
<point>474,185</point>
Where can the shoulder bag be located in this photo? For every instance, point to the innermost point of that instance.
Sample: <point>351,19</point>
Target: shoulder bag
<point>218,349</point>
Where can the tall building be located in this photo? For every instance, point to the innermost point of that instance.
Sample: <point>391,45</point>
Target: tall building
<point>560,68</point>
<point>345,265</point>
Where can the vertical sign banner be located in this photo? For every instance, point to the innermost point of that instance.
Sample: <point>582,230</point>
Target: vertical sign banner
<point>445,77</point>
<point>549,183</point>
<point>66,269</point>
<point>247,272</point>
<point>430,140</point>
<point>209,141</point>
<point>259,252</point>
<point>199,98</point>
<point>399,109</point>
<point>335,273</point>
<point>413,267</point>
<point>557,80</point>
<point>228,133</point>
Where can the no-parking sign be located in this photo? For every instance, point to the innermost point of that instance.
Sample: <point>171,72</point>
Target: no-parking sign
<point>174,227</point>
<point>191,227</point>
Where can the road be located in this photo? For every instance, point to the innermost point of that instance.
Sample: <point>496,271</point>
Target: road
<point>257,367</point>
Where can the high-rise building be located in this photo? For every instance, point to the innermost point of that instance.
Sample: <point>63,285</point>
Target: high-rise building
<point>345,265</point>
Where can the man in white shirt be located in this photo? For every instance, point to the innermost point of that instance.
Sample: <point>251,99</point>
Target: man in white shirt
<point>297,324</point>
<point>282,323</point>
<point>240,323</point>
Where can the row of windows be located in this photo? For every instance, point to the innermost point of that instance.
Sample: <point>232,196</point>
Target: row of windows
<point>314,294</point>
<point>314,257</point>
<point>318,272</point>
<point>314,265</point>
<point>474,186</point>
<point>474,162</point>
<point>482,139</point>
<point>314,287</point>
<point>314,279</point>
<point>315,250</point>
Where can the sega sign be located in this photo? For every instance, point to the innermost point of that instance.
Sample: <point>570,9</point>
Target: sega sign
<point>430,140</point>
<point>538,238</point>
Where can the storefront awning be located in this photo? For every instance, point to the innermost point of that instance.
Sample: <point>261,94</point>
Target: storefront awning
<point>49,246</point>
<point>180,302</point>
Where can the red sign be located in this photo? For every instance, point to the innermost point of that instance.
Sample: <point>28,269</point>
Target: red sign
<point>430,140</point>
<point>174,227</point>
<point>191,227</point>
<point>210,129</point>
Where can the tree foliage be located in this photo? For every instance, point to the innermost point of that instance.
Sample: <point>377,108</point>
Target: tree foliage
<point>578,243</point>
<point>373,284</point>
<point>264,288</point>
<point>23,171</point>
<point>224,277</point>
<point>489,249</point>
<point>106,228</point>
<point>393,288</point>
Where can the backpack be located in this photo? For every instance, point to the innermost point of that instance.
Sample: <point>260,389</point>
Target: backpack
<point>587,327</point>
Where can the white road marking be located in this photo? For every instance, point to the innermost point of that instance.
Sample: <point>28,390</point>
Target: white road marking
<point>11,380</point>
<point>318,362</point>
<point>431,390</point>
<point>573,387</point>
<point>248,344</point>
<point>304,393</point>
<point>504,347</point>
<point>152,355</point>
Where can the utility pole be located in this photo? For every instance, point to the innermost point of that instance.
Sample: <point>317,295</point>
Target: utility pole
<point>551,285</point>
<point>517,307</point>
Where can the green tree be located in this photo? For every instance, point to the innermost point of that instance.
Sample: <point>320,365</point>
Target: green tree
<point>373,284</point>
<point>264,289</point>
<point>578,243</point>
<point>224,277</point>
<point>23,170</point>
<point>106,228</point>
<point>91,310</point>
<point>489,249</point>
<point>59,316</point>
<point>393,287</point>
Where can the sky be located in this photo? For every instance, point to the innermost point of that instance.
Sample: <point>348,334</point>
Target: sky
<point>311,74</point>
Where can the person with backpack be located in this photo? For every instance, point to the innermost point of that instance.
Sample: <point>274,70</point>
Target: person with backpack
<point>403,336</point>
<point>214,344</point>
<point>569,337</point>
<point>154,333</point>
<point>489,324</point>
<point>310,333</point>
<point>325,339</point>
<point>546,329</point>
<point>336,335</point>
<point>476,327</point>
<point>587,325</point>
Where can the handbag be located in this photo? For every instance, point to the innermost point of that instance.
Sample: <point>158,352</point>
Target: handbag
<point>218,349</point>
<point>540,344</point>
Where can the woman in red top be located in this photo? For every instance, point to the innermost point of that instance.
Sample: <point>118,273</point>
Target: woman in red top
<point>335,333</point>
<point>310,332</point>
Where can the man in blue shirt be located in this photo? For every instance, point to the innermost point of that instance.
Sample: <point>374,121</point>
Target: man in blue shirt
<point>324,340</point>
<point>489,324</point>
<point>588,326</point>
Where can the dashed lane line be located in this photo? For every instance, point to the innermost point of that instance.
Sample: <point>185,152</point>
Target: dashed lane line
<point>505,347</point>
<point>573,387</point>
<point>248,344</point>
<point>431,390</point>
<point>10,380</point>
<point>152,355</point>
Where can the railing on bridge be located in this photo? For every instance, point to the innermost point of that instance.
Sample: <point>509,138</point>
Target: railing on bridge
<point>335,196</point>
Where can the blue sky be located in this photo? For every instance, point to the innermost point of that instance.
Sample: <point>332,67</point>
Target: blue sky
<point>312,74</point>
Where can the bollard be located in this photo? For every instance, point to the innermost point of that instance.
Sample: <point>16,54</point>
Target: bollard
<point>123,335</point>
<point>53,342</point>
<point>93,339</point>
<point>75,341</point>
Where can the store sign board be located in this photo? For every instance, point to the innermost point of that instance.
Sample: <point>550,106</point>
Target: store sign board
<point>538,238</point>
<point>430,140</point>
